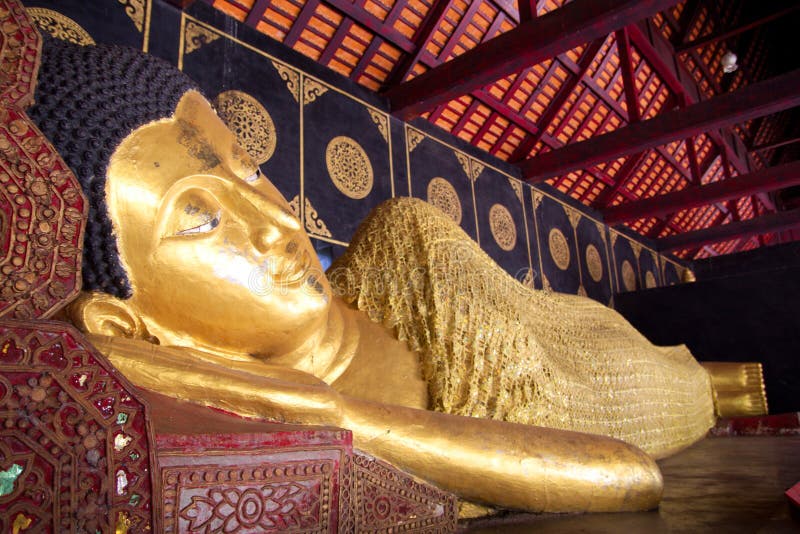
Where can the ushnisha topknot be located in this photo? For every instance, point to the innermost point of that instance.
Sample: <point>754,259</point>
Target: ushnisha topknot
<point>88,99</point>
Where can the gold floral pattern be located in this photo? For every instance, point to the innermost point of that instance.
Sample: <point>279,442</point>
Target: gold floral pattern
<point>250,121</point>
<point>291,77</point>
<point>315,225</point>
<point>196,36</point>
<point>516,185</point>
<point>628,276</point>
<point>594,263</point>
<point>443,195</point>
<point>382,122</point>
<point>135,10</point>
<point>349,167</point>
<point>503,228</point>
<point>413,138</point>
<point>559,248</point>
<point>312,89</point>
<point>463,159</point>
<point>60,26</point>
<point>649,280</point>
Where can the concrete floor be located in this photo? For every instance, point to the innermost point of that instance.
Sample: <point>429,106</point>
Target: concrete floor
<point>723,484</point>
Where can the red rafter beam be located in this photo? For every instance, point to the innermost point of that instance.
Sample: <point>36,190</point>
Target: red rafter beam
<point>773,222</point>
<point>528,44</point>
<point>736,187</point>
<point>726,34</point>
<point>776,144</point>
<point>762,98</point>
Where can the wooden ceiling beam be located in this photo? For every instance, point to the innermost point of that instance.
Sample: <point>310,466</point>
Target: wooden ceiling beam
<point>775,144</point>
<point>735,187</point>
<point>762,98</point>
<point>300,23</point>
<point>772,222</point>
<point>528,44</point>
<point>730,32</point>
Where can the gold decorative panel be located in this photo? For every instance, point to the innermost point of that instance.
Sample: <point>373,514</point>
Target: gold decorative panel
<point>502,226</point>
<point>442,194</point>
<point>250,121</point>
<point>559,248</point>
<point>349,167</point>
<point>60,26</point>
<point>594,263</point>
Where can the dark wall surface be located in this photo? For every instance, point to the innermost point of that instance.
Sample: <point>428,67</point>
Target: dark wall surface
<point>753,316</point>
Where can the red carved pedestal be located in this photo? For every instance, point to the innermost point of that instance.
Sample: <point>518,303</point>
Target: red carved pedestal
<point>95,454</point>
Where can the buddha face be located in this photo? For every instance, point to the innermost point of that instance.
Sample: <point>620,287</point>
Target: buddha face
<point>213,253</point>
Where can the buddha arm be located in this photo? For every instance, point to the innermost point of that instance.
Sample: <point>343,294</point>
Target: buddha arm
<point>503,464</point>
<point>506,464</point>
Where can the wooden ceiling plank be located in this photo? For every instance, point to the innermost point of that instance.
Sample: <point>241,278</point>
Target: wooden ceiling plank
<point>771,222</point>
<point>623,176</point>
<point>730,32</point>
<point>300,23</point>
<point>366,58</point>
<point>735,187</point>
<point>403,68</point>
<point>335,42</point>
<point>465,117</point>
<point>372,23</point>
<point>528,44</point>
<point>257,12</point>
<point>762,98</point>
<point>455,37</point>
<point>558,101</point>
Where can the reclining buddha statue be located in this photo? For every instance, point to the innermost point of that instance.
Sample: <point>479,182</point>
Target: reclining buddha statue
<point>200,283</point>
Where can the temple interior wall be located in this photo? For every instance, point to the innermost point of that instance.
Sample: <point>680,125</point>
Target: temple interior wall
<point>335,152</point>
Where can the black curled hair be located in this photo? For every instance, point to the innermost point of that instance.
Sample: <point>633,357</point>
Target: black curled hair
<point>87,100</point>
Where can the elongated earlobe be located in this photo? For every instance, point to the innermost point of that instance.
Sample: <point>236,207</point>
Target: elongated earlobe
<point>106,315</point>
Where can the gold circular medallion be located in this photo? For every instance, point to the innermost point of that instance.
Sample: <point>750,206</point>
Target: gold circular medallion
<point>594,263</point>
<point>649,280</point>
<point>250,122</point>
<point>349,167</point>
<point>501,223</point>
<point>559,248</point>
<point>442,194</point>
<point>59,26</point>
<point>628,276</point>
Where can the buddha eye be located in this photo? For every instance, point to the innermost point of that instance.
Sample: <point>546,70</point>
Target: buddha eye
<point>196,212</point>
<point>253,177</point>
<point>202,228</point>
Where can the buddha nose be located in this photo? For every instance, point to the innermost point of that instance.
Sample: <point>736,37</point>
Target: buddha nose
<point>276,227</point>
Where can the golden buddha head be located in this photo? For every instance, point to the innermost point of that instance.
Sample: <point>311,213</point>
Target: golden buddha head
<point>186,242</point>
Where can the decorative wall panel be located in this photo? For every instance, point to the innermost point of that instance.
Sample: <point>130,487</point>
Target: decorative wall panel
<point>502,222</point>
<point>626,262</point>
<point>442,175</point>
<point>347,162</point>
<point>558,252</point>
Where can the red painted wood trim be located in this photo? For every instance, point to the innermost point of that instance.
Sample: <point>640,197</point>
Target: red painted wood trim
<point>257,12</point>
<point>763,98</point>
<point>528,44</point>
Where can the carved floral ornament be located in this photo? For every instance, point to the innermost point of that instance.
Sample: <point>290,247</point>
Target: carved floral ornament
<point>60,26</point>
<point>502,226</point>
<point>628,276</point>
<point>443,195</point>
<point>559,248</point>
<point>250,122</point>
<point>349,167</point>
<point>594,263</point>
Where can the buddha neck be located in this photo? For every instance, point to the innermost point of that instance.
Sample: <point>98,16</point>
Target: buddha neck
<point>328,352</point>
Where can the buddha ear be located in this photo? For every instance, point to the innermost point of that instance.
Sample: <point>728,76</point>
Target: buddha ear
<point>103,314</point>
